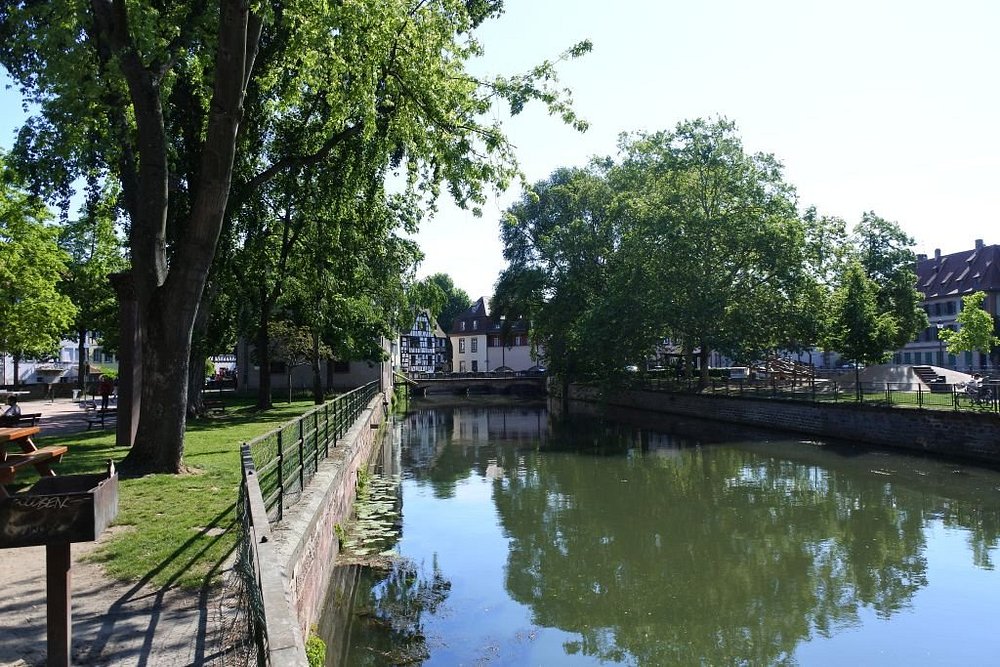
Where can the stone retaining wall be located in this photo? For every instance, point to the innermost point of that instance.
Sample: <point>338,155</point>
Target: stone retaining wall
<point>962,435</point>
<point>307,543</point>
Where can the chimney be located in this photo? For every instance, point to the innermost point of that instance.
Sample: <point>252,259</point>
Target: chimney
<point>921,256</point>
<point>979,244</point>
<point>937,253</point>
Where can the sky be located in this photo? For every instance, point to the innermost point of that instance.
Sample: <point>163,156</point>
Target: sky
<point>883,105</point>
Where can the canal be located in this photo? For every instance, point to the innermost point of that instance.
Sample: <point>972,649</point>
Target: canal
<point>495,535</point>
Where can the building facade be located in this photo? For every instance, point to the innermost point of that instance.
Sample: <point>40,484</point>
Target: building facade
<point>944,280</point>
<point>423,349</point>
<point>482,344</point>
<point>62,368</point>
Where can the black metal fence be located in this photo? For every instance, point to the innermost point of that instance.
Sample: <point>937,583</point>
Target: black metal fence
<point>288,457</point>
<point>910,395</point>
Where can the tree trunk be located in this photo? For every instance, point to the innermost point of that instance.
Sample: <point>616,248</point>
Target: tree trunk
<point>168,289</point>
<point>81,363</point>
<point>317,379</point>
<point>264,361</point>
<point>703,353</point>
<point>17,369</point>
<point>166,353</point>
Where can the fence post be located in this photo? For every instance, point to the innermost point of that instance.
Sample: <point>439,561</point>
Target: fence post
<point>326,429</point>
<point>920,396</point>
<point>302,456</point>
<point>281,475</point>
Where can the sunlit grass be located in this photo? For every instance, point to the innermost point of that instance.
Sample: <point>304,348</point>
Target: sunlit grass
<point>177,530</point>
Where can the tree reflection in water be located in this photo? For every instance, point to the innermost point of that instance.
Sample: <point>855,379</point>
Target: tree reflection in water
<point>653,549</point>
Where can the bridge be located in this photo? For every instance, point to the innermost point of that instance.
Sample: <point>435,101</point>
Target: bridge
<point>510,382</point>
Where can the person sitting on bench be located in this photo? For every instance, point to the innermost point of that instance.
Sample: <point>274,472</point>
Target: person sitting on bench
<point>12,414</point>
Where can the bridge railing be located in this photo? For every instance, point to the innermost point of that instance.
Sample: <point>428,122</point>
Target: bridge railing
<point>485,375</point>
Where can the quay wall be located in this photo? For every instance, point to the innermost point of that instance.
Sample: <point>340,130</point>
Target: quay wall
<point>306,539</point>
<point>964,435</point>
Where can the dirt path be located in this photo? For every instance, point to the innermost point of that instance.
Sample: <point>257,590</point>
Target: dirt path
<point>114,623</point>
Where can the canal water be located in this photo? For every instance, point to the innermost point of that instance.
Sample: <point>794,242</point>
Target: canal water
<point>522,540</point>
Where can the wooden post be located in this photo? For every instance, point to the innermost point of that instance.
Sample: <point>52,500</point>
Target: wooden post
<point>59,614</point>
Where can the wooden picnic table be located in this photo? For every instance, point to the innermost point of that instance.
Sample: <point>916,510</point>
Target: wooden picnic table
<point>29,454</point>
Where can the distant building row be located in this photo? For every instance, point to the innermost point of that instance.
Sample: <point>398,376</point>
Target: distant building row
<point>477,343</point>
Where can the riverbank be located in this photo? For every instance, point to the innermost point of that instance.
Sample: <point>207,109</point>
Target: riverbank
<point>968,436</point>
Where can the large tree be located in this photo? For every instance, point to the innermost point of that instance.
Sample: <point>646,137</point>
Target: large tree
<point>716,236</point>
<point>154,95</point>
<point>558,240</point>
<point>885,252</point>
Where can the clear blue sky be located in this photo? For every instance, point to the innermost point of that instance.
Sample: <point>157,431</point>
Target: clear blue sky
<point>883,105</point>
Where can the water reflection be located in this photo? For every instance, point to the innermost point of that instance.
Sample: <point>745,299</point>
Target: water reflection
<point>704,546</point>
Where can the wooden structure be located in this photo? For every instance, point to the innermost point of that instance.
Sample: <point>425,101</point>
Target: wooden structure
<point>54,512</point>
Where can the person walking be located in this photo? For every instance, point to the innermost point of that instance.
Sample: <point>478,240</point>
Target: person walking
<point>105,389</point>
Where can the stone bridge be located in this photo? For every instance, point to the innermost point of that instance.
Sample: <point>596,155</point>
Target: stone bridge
<point>524,382</point>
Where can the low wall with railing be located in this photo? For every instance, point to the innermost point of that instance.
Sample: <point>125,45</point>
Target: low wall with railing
<point>299,482</point>
<point>957,434</point>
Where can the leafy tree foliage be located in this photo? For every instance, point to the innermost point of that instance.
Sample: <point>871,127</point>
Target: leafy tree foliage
<point>558,240</point>
<point>156,97</point>
<point>858,328</point>
<point>456,300</point>
<point>977,330</point>
<point>33,312</point>
<point>688,238</point>
<point>95,252</point>
<point>719,229</point>
<point>885,252</point>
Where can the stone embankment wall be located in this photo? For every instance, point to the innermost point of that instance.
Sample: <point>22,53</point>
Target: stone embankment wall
<point>306,539</point>
<point>965,435</point>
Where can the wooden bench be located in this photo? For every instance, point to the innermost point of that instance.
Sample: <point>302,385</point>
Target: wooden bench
<point>32,417</point>
<point>99,417</point>
<point>40,458</point>
<point>214,406</point>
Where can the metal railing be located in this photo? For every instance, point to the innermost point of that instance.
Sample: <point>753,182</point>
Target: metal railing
<point>891,394</point>
<point>276,468</point>
<point>288,457</point>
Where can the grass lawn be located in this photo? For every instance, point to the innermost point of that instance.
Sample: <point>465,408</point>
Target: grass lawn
<point>177,530</point>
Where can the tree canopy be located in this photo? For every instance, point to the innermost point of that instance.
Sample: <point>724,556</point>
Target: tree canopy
<point>184,104</point>
<point>34,313</point>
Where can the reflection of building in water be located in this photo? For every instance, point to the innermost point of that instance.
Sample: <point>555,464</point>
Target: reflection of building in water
<point>426,434</point>
<point>662,444</point>
<point>509,424</point>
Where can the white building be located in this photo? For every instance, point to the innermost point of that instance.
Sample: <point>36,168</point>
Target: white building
<point>481,344</point>
<point>62,368</point>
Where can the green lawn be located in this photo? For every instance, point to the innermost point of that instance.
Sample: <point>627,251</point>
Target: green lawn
<point>177,530</point>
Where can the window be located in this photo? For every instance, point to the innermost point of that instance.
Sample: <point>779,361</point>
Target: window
<point>937,308</point>
<point>461,367</point>
<point>475,366</point>
<point>461,325</point>
<point>496,341</point>
<point>475,345</point>
<point>461,346</point>
<point>475,324</point>
<point>951,307</point>
<point>907,357</point>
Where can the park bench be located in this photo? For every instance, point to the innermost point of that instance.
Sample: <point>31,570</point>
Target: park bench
<point>217,407</point>
<point>22,420</point>
<point>40,458</point>
<point>97,416</point>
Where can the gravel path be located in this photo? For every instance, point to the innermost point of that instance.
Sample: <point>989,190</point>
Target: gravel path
<point>114,623</point>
